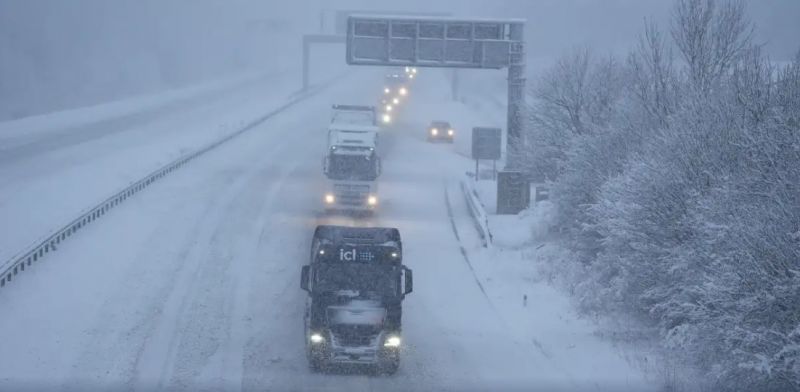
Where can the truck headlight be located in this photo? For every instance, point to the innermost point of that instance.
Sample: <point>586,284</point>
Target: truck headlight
<point>403,91</point>
<point>434,131</point>
<point>316,338</point>
<point>387,118</point>
<point>396,101</point>
<point>372,200</point>
<point>329,198</point>
<point>386,90</point>
<point>388,108</point>
<point>450,132</point>
<point>392,341</point>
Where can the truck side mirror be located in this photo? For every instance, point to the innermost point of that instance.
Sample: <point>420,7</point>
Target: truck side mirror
<point>409,286</point>
<point>325,165</point>
<point>304,274</point>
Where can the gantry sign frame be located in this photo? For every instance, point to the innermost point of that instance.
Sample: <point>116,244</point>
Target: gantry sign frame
<point>340,30</point>
<point>443,42</point>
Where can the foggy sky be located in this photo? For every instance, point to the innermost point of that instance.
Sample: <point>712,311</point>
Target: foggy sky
<point>57,54</point>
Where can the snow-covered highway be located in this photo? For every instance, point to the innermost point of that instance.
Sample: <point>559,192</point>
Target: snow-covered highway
<point>54,166</point>
<point>194,284</point>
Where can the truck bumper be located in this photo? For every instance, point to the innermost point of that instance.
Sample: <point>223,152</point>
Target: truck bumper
<point>369,356</point>
<point>349,208</point>
<point>440,139</point>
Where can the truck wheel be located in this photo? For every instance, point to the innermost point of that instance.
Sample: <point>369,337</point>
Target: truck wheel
<point>390,367</point>
<point>316,365</point>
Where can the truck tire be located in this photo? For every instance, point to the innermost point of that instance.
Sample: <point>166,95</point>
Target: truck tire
<point>389,367</point>
<point>316,365</point>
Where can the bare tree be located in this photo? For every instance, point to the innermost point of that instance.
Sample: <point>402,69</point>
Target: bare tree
<point>654,83</point>
<point>561,94</point>
<point>710,37</point>
<point>752,84</point>
<point>556,114</point>
<point>788,94</point>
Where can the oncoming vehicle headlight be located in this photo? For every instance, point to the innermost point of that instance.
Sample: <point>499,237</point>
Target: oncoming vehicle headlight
<point>392,341</point>
<point>316,338</point>
<point>450,132</point>
<point>396,101</point>
<point>386,90</point>
<point>403,91</point>
<point>372,200</point>
<point>434,131</point>
<point>329,198</point>
<point>388,108</point>
<point>387,118</point>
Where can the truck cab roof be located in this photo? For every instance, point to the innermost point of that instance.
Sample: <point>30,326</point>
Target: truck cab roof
<point>372,244</point>
<point>357,235</point>
<point>396,77</point>
<point>354,115</point>
<point>440,124</point>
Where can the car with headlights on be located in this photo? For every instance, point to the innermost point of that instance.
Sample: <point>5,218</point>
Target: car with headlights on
<point>441,131</point>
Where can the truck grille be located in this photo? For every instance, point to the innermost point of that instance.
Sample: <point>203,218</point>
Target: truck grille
<point>355,335</point>
<point>355,195</point>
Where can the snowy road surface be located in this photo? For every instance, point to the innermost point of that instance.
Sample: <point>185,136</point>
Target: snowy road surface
<point>54,166</point>
<point>194,284</point>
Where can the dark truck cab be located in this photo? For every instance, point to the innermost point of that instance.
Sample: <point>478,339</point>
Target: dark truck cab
<point>356,283</point>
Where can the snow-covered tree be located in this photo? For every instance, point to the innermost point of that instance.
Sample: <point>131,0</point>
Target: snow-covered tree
<point>678,187</point>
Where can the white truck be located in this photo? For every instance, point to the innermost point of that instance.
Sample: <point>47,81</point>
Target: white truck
<point>351,164</point>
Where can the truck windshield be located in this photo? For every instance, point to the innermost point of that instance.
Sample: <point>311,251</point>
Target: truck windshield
<point>352,167</point>
<point>366,279</point>
<point>354,117</point>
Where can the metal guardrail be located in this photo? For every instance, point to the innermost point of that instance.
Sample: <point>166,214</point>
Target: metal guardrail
<point>478,213</point>
<point>20,263</point>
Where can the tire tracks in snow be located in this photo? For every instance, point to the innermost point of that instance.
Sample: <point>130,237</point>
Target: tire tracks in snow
<point>142,351</point>
<point>206,316</point>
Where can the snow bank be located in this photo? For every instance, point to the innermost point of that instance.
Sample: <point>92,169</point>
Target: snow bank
<point>529,303</point>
